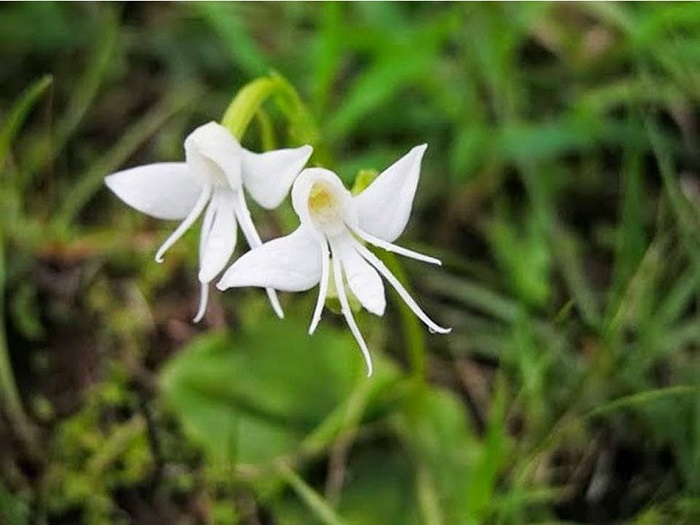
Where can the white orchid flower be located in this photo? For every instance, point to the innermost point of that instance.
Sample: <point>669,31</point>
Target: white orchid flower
<point>333,224</point>
<point>216,170</point>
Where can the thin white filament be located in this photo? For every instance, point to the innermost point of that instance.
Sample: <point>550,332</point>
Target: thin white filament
<point>251,235</point>
<point>203,300</point>
<point>347,313</point>
<point>381,268</point>
<point>186,223</point>
<point>322,288</point>
<point>394,248</point>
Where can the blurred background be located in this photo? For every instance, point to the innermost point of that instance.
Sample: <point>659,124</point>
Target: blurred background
<point>560,188</point>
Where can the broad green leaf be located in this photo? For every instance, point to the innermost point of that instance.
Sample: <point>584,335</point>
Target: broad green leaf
<point>380,489</point>
<point>434,427</point>
<point>250,397</point>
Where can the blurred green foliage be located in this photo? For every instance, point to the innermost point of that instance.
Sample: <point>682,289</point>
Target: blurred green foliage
<point>560,189</point>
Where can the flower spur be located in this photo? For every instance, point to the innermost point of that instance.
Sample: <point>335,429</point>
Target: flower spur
<point>333,223</point>
<point>215,172</point>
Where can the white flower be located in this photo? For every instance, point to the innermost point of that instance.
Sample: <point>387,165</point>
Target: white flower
<point>333,223</point>
<point>213,176</point>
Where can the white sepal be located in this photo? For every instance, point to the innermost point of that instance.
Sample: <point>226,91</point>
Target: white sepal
<point>269,176</point>
<point>288,264</point>
<point>384,207</point>
<point>165,190</point>
<point>363,280</point>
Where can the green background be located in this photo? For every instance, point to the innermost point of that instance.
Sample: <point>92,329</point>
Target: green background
<point>560,188</point>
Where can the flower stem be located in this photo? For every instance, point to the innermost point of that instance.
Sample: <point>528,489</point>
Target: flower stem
<point>248,103</point>
<point>320,508</point>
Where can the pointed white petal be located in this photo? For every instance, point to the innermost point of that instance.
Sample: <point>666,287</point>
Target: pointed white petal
<point>268,176</point>
<point>396,249</point>
<point>347,313</point>
<point>186,223</point>
<point>165,190</point>
<point>322,289</point>
<point>251,235</point>
<point>218,237</point>
<point>393,281</point>
<point>214,155</point>
<point>289,264</point>
<point>385,206</point>
<point>363,280</point>
<point>203,300</point>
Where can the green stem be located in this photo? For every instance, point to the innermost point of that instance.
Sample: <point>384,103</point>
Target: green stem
<point>246,103</point>
<point>428,499</point>
<point>8,387</point>
<point>321,509</point>
<point>300,123</point>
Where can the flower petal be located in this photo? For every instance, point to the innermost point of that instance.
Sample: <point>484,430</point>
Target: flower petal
<point>251,235</point>
<point>385,206</point>
<point>214,154</point>
<point>403,293</point>
<point>322,288</point>
<point>268,176</point>
<point>165,190</point>
<point>363,280</point>
<point>188,221</point>
<point>347,313</point>
<point>203,300</point>
<point>289,264</point>
<point>395,248</point>
<point>218,237</point>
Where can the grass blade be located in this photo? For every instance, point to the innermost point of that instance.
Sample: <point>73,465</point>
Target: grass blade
<point>19,113</point>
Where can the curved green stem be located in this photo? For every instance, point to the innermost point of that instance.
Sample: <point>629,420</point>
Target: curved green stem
<point>323,512</point>
<point>247,103</point>
<point>8,387</point>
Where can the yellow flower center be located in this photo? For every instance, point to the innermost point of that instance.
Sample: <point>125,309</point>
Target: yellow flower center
<point>320,198</point>
<point>324,207</point>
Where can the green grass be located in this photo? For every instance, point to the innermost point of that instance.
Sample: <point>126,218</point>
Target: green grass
<point>560,188</point>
